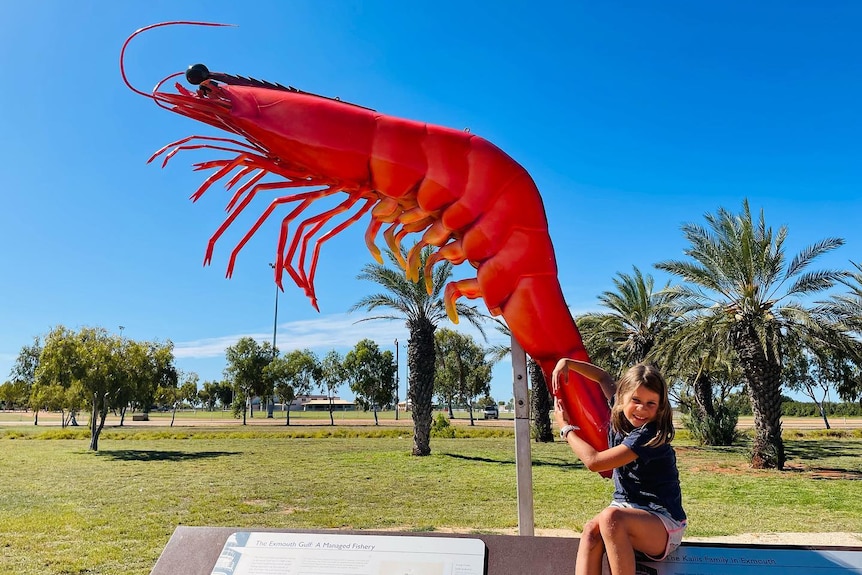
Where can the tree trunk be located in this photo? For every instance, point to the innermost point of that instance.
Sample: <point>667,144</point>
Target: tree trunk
<point>97,422</point>
<point>94,438</point>
<point>809,391</point>
<point>763,373</point>
<point>421,359</point>
<point>331,417</point>
<point>703,395</point>
<point>541,405</point>
<point>823,415</point>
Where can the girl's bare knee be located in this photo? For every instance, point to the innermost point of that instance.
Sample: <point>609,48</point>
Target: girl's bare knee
<point>591,535</point>
<point>610,519</point>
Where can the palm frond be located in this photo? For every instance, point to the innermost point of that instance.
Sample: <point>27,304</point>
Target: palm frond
<point>806,256</point>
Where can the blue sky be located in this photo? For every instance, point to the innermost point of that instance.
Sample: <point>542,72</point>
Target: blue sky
<point>632,117</point>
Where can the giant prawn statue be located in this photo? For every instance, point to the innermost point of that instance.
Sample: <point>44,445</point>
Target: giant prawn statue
<point>467,198</point>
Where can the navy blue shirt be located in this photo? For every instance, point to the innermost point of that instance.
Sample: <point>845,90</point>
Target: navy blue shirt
<point>651,480</point>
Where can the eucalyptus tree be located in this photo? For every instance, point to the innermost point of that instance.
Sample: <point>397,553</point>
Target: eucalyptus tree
<point>293,375</point>
<point>23,372</point>
<point>14,394</point>
<point>813,375</point>
<point>738,272</point>
<point>331,377</point>
<point>246,360</point>
<point>422,308</point>
<point>371,375</point>
<point>89,364</point>
<point>208,395</point>
<point>461,367</point>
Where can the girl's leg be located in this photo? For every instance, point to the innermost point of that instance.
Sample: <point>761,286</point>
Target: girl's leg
<point>590,550</point>
<point>625,530</point>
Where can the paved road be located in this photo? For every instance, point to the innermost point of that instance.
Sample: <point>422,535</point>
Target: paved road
<point>14,418</point>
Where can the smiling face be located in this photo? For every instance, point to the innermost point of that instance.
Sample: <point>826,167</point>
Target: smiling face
<point>641,398</point>
<point>641,406</point>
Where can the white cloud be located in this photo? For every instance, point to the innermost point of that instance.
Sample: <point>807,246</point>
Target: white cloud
<point>333,331</point>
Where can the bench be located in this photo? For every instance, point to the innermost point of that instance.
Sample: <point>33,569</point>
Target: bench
<point>194,551</point>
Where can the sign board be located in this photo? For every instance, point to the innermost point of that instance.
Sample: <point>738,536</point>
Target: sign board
<point>692,559</point>
<point>271,553</point>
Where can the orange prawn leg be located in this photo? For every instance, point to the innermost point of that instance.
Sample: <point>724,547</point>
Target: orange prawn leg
<point>324,218</point>
<point>394,245</point>
<point>302,236</point>
<point>260,220</point>
<point>370,234</point>
<point>451,252</point>
<point>334,231</point>
<point>468,288</point>
<point>437,234</point>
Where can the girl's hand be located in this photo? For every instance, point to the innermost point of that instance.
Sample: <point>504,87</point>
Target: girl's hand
<point>559,372</point>
<point>560,415</point>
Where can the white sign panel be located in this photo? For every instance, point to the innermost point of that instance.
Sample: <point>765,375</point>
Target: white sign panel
<point>755,560</point>
<point>262,553</point>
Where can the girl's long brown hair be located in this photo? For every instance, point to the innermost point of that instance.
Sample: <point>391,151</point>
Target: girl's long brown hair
<point>649,377</point>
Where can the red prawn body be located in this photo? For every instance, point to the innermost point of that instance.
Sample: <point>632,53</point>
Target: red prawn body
<point>465,195</point>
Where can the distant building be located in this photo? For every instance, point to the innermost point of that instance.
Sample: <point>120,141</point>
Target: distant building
<point>320,403</point>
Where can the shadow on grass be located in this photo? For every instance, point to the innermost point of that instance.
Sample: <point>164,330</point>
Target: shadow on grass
<point>812,450</point>
<point>821,458</point>
<point>536,462</point>
<point>152,455</point>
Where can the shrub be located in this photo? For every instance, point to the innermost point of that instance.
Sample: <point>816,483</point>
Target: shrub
<point>719,429</point>
<point>441,427</point>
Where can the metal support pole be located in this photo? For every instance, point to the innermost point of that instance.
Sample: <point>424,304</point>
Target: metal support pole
<point>270,408</point>
<point>523,458</point>
<point>396,380</point>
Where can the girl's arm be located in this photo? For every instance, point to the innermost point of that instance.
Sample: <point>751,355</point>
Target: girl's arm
<point>594,460</point>
<point>588,370</point>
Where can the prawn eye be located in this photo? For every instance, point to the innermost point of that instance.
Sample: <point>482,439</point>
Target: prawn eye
<point>197,73</point>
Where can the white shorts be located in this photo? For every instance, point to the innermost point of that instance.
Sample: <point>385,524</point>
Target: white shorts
<point>675,529</point>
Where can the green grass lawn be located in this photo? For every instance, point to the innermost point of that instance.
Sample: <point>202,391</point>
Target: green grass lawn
<point>64,510</point>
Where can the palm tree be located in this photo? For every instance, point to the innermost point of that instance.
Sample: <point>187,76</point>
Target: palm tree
<point>846,310</point>
<point>695,353</point>
<point>638,317</point>
<point>411,301</point>
<point>739,275</point>
<point>540,396</point>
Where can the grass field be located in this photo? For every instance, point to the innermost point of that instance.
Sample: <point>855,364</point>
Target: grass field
<point>64,510</point>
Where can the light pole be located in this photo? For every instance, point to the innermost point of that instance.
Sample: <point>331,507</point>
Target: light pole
<point>271,405</point>
<point>407,379</point>
<point>122,327</point>
<point>396,380</point>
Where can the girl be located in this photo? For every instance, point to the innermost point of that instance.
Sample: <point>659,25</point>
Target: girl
<point>646,513</point>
